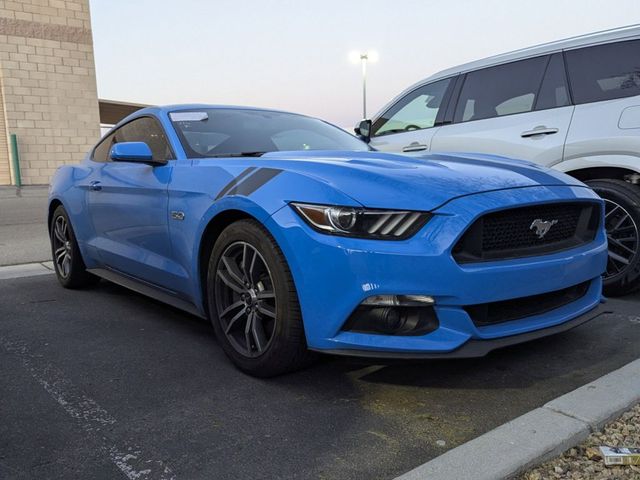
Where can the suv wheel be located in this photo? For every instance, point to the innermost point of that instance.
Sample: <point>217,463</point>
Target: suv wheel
<point>622,221</point>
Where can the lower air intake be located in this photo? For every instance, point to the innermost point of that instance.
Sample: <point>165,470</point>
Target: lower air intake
<point>484,314</point>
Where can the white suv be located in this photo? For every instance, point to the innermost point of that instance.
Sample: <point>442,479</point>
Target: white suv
<point>573,105</point>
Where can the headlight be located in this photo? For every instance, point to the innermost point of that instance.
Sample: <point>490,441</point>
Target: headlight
<point>362,222</point>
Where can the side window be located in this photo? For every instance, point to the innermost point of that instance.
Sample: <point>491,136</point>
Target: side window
<point>417,110</point>
<point>146,129</point>
<point>604,72</point>
<point>554,92</point>
<point>500,90</point>
<point>101,152</point>
<point>522,103</point>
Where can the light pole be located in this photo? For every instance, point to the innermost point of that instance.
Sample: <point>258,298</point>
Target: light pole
<point>363,58</point>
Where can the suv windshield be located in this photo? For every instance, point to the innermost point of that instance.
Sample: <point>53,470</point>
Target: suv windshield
<point>220,132</point>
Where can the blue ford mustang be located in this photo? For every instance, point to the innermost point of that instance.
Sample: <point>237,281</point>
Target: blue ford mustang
<point>293,236</point>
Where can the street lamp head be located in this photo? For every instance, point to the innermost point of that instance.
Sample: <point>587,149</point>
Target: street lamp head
<point>357,57</point>
<point>364,58</point>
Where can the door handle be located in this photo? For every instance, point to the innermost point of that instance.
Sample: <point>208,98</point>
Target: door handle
<point>541,130</point>
<point>95,186</point>
<point>414,147</point>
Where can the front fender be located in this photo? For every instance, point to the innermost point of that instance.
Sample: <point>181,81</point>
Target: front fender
<point>243,205</point>
<point>202,199</point>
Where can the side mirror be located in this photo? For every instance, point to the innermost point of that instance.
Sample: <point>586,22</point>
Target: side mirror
<point>131,152</point>
<point>363,130</point>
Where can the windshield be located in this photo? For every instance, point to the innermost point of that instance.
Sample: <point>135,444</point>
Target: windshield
<point>219,132</point>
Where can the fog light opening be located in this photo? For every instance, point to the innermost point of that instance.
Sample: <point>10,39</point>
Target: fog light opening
<point>392,320</point>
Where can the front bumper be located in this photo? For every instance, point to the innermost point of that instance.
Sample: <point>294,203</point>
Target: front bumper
<point>478,348</point>
<point>333,275</point>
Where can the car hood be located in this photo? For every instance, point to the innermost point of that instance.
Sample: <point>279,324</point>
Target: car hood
<point>382,180</point>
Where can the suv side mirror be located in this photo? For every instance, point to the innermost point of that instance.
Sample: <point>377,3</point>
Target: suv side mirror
<point>363,130</point>
<point>131,152</point>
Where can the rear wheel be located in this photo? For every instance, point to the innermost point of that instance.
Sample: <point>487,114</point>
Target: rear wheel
<point>622,219</point>
<point>253,302</point>
<point>67,260</point>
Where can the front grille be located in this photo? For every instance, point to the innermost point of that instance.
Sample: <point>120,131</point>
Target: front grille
<point>513,233</point>
<point>497,312</point>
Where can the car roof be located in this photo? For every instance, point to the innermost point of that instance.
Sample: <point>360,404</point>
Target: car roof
<point>605,36</point>
<point>555,46</point>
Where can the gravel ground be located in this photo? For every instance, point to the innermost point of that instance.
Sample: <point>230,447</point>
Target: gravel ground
<point>584,461</point>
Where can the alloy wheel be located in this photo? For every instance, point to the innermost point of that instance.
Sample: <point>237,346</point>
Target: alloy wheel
<point>245,299</point>
<point>622,234</point>
<point>62,246</point>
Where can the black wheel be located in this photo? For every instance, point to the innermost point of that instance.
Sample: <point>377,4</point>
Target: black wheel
<point>69,267</point>
<point>622,218</point>
<point>253,302</point>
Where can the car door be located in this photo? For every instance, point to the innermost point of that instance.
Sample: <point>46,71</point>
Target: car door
<point>519,110</point>
<point>409,125</point>
<point>128,201</point>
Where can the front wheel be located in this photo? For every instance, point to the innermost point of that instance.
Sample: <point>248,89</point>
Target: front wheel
<point>253,302</point>
<point>622,218</point>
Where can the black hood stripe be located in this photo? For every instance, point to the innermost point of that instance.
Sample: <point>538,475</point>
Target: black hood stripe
<point>254,182</point>
<point>235,181</point>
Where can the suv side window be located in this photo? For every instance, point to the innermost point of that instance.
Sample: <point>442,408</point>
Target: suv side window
<point>500,90</point>
<point>553,91</point>
<point>417,110</point>
<point>604,72</point>
<point>146,129</point>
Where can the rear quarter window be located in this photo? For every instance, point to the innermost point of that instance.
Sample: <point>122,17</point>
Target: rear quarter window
<point>604,72</point>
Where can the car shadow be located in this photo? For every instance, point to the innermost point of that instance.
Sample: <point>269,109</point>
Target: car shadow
<point>571,357</point>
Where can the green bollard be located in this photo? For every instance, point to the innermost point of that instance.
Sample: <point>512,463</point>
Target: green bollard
<point>15,159</point>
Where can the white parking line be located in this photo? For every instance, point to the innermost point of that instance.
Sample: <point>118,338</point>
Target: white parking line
<point>26,270</point>
<point>93,419</point>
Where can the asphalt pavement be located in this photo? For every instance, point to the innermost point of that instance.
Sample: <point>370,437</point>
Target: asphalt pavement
<point>105,383</point>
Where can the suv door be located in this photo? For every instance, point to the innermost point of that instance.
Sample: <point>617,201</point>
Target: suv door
<point>520,110</point>
<point>411,122</point>
<point>128,203</point>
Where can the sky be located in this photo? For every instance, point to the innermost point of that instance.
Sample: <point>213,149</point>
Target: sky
<point>294,55</point>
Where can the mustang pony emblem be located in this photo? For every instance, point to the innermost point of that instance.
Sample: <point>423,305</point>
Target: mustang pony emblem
<point>542,226</point>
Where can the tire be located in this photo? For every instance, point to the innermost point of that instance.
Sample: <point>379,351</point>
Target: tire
<point>263,334</point>
<point>622,210</point>
<point>67,260</point>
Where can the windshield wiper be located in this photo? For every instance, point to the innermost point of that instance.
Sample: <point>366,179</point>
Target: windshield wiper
<point>238,154</point>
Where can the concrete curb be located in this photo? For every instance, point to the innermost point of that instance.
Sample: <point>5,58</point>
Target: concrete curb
<point>539,435</point>
<point>26,270</point>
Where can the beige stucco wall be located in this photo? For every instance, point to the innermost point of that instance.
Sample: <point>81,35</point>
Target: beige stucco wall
<point>48,79</point>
